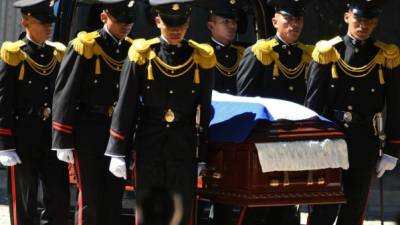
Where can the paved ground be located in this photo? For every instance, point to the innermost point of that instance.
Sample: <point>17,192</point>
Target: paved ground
<point>392,200</point>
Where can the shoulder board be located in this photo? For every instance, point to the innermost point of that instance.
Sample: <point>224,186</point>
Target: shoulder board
<point>84,42</point>
<point>11,52</point>
<point>264,52</point>
<point>391,54</point>
<point>307,51</point>
<point>140,50</point>
<point>59,49</point>
<point>325,52</point>
<point>203,54</point>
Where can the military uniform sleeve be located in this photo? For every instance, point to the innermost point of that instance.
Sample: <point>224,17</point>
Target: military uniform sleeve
<point>250,75</point>
<point>393,112</point>
<point>126,111</point>
<point>8,75</point>
<point>317,87</point>
<point>65,99</point>
<point>207,84</point>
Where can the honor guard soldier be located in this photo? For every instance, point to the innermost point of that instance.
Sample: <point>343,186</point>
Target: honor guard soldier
<point>28,69</point>
<point>351,79</point>
<point>165,80</point>
<point>276,68</point>
<point>223,24</point>
<point>86,92</point>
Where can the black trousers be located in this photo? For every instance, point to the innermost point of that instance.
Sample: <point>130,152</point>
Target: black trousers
<point>223,214</point>
<point>100,192</point>
<point>356,186</point>
<point>166,157</point>
<point>33,141</point>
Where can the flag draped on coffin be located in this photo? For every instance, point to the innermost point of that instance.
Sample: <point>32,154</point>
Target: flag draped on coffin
<point>234,117</point>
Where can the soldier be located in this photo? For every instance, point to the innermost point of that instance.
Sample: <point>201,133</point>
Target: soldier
<point>163,83</point>
<point>223,24</point>
<point>86,92</point>
<point>28,69</point>
<point>351,79</point>
<point>276,68</point>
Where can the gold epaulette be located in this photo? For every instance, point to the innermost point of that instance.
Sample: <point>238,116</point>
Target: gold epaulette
<point>59,49</point>
<point>391,54</point>
<point>203,55</point>
<point>263,50</point>
<point>140,50</point>
<point>307,51</point>
<point>11,52</point>
<point>84,42</point>
<point>325,52</point>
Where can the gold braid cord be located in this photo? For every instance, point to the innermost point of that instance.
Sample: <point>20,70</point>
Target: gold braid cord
<point>387,56</point>
<point>12,54</point>
<point>233,70</point>
<point>85,44</point>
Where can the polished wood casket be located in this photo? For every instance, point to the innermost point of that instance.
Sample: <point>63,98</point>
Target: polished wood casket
<point>234,174</point>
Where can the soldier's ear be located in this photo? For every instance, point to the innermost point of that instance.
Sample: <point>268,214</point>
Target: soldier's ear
<point>158,21</point>
<point>210,25</point>
<point>103,17</point>
<point>24,21</point>
<point>275,22</point>
<point>346,17</point>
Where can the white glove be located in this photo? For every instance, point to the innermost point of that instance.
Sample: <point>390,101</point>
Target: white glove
<point>386,162</point>
<point>201,168</point>
<point>9,158</point>
<point>118,167</point>
<point>65,155</point>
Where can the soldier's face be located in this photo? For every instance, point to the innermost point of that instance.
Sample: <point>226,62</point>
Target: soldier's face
<point>118,29</point>
<point>38,31</point>
<point>223,29</point>
<point>173,35</point>
<point>288,27</point>
<point>360,28</point>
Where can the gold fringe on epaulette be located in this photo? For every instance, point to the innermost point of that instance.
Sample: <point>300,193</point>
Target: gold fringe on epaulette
<point>334,72</point>
<point>84,42</point>
<point>263,51</point>
<point>59,49</point>
<point>391,54</point>
<point>11,53</point>
<point>196,78</point>
<point>97,67</point>
<point>21,72</point>
<point>381,77</point>
<point>203,55</point>
<point>325,53</point>
<point>150,75</point>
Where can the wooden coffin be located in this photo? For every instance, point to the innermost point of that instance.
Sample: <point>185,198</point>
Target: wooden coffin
<point>235,176</point>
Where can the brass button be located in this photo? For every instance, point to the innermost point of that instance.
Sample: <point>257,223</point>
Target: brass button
<point>117,86</point>
<point>30,82</point>
<point>46,88</point>
<point>356,50</point>
<point>372,90</point>
<point>346,125</point>
<point>46,104</point>
<point>95,81</point>
<point>169,116</point>
<point>171,91</point>
<point>332,85</point>
<point>117,50</point>
<point>349,107</point>
<point>352,88</point>
<point>147,87</point>
<point>291,88</point>
<point>167,126</point>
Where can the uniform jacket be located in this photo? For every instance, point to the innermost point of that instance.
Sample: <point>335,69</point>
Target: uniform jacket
<point>158,78</point>
<point>357,77</point>
<point>87,85</point>
<point>271,68</point>
<point>228,60</point>
<point>27,75</point>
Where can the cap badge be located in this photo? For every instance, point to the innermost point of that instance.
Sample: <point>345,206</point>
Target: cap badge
<point>175,7</point>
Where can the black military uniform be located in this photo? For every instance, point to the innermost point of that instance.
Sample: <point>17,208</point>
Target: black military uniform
<point>227,67</point>
<point>350,81</point>
<point>162,86</point>
<point>228,56</point>
<point>272,68</point>
<point>86,92</point>
<point>27,74</point>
